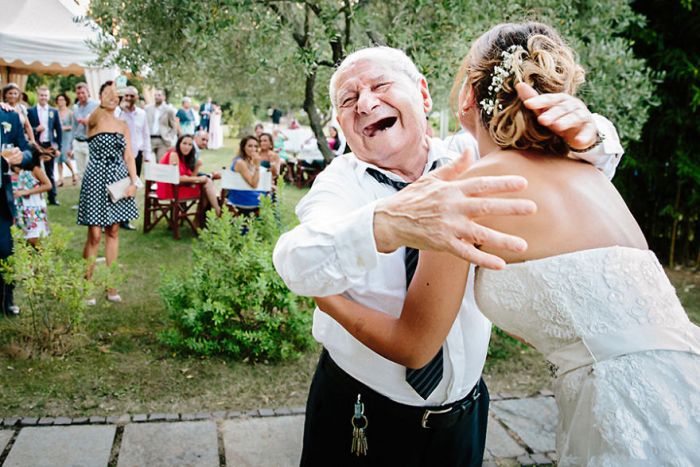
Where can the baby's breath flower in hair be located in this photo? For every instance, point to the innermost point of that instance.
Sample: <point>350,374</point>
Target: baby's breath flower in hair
<point>500,74</point>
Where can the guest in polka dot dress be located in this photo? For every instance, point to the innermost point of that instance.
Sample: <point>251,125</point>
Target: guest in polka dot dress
<point>111,160</point>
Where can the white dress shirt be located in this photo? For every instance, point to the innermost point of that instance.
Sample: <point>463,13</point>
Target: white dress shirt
<point>333,251</point>
<point>43,113</point>
<point>157,111</point>
<point>138,131</point>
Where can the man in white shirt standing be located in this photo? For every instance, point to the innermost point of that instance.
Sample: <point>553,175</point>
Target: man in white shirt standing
<point>354,228</point>
<point>136,120</point>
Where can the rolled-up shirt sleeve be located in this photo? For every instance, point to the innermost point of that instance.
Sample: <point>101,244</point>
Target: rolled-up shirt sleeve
<point>607,155</point>
<point>332,248</point>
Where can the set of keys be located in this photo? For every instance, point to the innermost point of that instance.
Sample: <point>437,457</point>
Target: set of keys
<point>359,425</point>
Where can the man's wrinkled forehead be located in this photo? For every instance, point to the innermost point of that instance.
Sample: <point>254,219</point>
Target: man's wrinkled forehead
<point>365,71</point>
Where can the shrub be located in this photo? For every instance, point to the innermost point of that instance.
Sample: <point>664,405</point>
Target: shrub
<point>52,287</point>
<point>231,301</point>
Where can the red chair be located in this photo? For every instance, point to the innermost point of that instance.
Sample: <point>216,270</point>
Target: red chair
<point>176,211</point>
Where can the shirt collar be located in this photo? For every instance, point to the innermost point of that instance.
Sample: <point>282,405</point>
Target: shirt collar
<point>437,152</point>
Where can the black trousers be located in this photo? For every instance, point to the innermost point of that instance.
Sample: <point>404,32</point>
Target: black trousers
<point>6,290</point>
<point>139,161</point>
<point>392,438</point>
<point>48,169</point>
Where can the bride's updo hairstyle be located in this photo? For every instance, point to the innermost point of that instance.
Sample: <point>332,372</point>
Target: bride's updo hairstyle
<point>528,52</point>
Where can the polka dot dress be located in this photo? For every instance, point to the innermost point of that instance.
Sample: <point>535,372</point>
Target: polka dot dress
<point>105,166</point>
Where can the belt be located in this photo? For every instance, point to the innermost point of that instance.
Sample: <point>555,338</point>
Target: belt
<point>80,139</point>
<point>597,348</point>
<point>430,418</point>
<point>156,136</point>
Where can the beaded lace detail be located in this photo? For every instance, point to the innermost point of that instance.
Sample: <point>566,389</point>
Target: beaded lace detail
<point>637,409</point>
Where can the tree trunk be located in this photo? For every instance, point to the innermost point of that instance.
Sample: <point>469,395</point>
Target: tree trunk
<point>315,118</point>
<point>674,228</point>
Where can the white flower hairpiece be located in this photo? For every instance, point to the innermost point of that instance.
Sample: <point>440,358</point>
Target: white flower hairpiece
<point>500,74</point>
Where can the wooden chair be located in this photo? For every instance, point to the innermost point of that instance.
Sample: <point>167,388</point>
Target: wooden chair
<point>310,163</point>
<point>231,180</point>
<point>176,211</point>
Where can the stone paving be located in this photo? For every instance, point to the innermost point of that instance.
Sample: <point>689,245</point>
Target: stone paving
<point>520,432</point>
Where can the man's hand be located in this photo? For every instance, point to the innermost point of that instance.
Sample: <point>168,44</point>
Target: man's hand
<point>437,213</point>
<point>70,154</point>
<point>15,157</point>
<point>6,107</point>
<point>562,113</point>
<point>39,129</point>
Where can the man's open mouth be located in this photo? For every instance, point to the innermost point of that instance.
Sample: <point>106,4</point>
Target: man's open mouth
<point>378,126</point>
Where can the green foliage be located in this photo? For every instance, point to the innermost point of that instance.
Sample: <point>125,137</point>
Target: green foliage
<point>54,290</point>
<point>502,346</point>
<point>231,301</point>
<point>660,175</point>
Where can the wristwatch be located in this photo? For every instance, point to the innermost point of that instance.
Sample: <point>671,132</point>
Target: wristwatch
<point>598,140</point>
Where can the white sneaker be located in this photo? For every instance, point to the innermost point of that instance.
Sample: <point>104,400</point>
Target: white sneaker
<point>91,302</point>
<point>14,309</point>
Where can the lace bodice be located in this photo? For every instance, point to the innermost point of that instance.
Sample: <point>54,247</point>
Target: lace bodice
<point>552,301</point>
<point>632,395</point>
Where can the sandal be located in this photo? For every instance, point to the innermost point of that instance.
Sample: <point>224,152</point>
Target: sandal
<point>114,298</point>
<point>75,180</point>
<point>59,184</point>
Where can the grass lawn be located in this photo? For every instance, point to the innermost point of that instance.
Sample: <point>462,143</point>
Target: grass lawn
<point>124,369</point>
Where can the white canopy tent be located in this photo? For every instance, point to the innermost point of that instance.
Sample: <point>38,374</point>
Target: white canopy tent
<point>40,36</point>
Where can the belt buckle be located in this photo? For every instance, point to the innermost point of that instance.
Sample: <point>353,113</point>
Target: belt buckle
<point>428,413</point>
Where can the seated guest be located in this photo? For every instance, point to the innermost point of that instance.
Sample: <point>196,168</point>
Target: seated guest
<point>183,156</point>
<point>247,163</point>
<point>333,139</point>
<point>268,157</point>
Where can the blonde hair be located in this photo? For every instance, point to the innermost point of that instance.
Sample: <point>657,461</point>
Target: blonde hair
<point>545,62</point>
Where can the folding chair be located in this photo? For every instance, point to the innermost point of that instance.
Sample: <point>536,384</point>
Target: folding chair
<point>231,180</point>
<point>176,211</point>
<point>310,163</point>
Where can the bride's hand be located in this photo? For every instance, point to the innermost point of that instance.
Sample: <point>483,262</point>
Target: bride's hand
<point>562,113</point>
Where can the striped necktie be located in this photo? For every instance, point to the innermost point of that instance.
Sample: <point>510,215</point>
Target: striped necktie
<point>423,380</point>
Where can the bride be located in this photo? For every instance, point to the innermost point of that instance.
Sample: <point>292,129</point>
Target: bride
<point>587,293</point>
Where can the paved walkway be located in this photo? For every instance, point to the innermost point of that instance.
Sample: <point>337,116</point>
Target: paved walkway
<point>521,432</point>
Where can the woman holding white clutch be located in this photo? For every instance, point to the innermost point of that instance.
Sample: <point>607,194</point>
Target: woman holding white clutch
<point>111,163</point>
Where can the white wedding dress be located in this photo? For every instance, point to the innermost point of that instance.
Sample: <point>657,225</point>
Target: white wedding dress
<point>626,357</point>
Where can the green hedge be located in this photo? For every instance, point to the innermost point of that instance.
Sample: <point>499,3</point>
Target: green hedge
<point>231,301</point>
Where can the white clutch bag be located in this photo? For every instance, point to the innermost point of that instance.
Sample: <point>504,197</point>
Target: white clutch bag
<point>116,190</point>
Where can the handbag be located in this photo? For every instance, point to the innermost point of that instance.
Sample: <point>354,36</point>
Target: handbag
<point>116,190</point>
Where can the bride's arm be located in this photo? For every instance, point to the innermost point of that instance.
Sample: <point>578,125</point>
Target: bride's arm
<point>432,303</point>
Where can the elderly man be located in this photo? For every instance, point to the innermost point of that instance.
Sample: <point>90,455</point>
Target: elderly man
<point>201,141</point>
<point>82,110</point>
<point>162,123</point>
<point>351,240</point>
<point>46,124</point>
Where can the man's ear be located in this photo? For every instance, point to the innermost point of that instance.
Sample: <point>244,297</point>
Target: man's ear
<point>425,94</point>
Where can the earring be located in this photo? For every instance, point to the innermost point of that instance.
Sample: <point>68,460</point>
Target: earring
<point>463,112</point>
